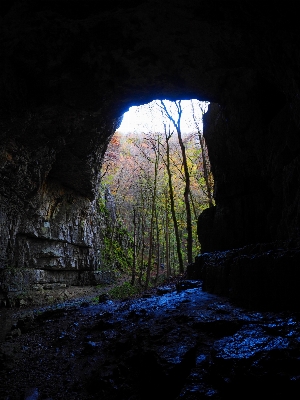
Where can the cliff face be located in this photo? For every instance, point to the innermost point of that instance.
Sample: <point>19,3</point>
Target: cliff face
<point>70,69</point>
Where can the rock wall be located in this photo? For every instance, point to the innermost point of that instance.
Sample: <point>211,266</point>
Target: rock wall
<point>254,152</point>
<point>70,69</point>
<point>261,277</point>
<point>53,232</point>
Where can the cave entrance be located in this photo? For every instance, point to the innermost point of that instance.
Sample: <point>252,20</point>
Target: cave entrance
<point>156,179</point>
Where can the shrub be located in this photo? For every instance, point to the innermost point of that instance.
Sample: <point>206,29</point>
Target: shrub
<point>124,291</point>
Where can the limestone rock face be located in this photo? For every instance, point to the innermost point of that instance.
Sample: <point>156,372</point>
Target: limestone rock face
<point>70,69</point>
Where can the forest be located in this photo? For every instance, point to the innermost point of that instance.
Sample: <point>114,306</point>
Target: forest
<point>155,183</point>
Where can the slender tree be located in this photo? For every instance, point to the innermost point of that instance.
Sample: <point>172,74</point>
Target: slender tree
<point>157,223</point>
<point>168,135</point>
<point>205,161</point>
<point>176,123</point>
<point>153,207</point>
<point>167,239</point>
<point>133,272</point>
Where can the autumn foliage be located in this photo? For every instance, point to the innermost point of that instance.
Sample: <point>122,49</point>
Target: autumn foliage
<point>146,176</point>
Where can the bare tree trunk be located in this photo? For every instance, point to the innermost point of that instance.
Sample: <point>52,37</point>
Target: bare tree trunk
<point>149,266</point>
<point>141,258</point>
<point>187,201</point>
<point>193,205</point>
<point>172,204</point>
<point>187,178</point>
<point>134,248</point>
<point>205,161</point>
<point>158,246</point>
<point>167,239</point>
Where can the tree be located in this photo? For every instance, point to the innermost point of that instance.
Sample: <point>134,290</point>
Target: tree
<point>155,148</point>
<point>205,161</point>
<point>150,175</point>
<point>176,123</point>
<point>168,136</point>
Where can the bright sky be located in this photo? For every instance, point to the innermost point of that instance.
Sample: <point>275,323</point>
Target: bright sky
<point>149,118</point>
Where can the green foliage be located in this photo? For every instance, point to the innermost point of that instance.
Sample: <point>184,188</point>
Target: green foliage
<point>117,252</point>
<point>114,254</point>
<point>101,206</point>
<point>129,171</point>
<point>124,291</point>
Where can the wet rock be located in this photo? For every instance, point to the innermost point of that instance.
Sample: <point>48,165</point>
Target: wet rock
<point>31,394</point>
<point>192,344</point>
<point>63,338</point>
<point>198,388</point>
<point>103,298</point>
<point>103,325</point>
<point>10,352</point>
<point>164,289</point>
<point>188,284</point>
<point>247,342</point>
<point>15,332</point>
<point>219,328</point>
<point>26,323</point>
<point>91,347</point>
<point>138,314</point>
<point>123,345</point>
<point>50,314</point>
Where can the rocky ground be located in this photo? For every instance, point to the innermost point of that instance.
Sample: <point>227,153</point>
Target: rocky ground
<point>175,343</point>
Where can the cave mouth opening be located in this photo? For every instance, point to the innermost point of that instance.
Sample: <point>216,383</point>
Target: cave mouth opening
<point>157,155</point>
<point>151,117</point>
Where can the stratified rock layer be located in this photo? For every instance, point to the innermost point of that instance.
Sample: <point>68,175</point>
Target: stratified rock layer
<point>263,276</point>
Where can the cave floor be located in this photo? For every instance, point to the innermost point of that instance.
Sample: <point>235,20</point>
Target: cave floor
<point>173,344</point>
